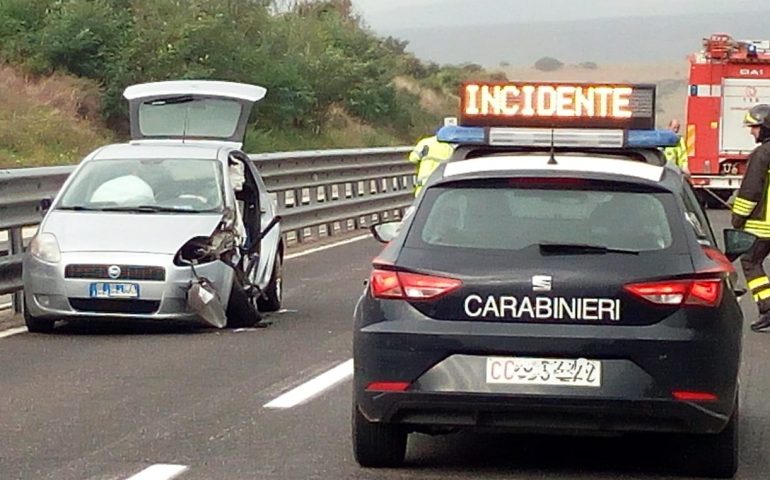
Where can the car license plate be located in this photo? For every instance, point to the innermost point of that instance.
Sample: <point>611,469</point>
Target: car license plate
<point>114,290</point>
<point>544,371</point>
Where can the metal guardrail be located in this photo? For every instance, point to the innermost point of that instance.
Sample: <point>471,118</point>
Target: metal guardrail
<point>319,194</point>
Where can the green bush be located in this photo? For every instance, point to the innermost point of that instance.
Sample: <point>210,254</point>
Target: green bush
<point>313,57</point>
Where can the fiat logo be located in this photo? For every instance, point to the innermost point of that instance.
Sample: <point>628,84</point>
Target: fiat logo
<point>113,272</point>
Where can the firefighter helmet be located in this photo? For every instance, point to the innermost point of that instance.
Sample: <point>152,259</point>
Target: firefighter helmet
<point>758,116</point>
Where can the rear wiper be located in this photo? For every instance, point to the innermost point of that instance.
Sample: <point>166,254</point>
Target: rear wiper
<point>80,208</point>
<point>149,209</point>
<point>170,100</point>
<point>577,248</point>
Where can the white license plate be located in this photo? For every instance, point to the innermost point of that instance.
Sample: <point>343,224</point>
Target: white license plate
<point>114,290</point>
<point>544,371</point>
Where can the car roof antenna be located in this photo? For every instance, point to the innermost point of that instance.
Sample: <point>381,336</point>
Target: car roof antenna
<point>552,160</point>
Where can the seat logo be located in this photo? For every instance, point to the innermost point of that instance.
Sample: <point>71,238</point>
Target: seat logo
<point>113,272</point>
<point>542,283</point>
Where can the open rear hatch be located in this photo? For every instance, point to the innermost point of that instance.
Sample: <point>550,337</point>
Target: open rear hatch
<point>194,110</point>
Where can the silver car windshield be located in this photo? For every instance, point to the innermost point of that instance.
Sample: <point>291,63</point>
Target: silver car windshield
<point>147,185</point>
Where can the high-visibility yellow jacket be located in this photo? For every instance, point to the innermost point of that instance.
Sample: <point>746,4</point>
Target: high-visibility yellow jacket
<point>428,155</point>
<point>751,202</point>
<point>678,154</point>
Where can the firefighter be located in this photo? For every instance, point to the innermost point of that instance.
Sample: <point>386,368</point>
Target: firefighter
<point>428,155</point>
<point>678,154</point>
<point>751,212</point>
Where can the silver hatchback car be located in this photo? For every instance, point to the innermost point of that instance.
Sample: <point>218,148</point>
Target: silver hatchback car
<point>176,225</point>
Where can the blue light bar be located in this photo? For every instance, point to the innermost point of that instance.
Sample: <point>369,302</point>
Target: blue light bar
<point>462,135</point>
<point>651,138</point>
<point>634,138</point>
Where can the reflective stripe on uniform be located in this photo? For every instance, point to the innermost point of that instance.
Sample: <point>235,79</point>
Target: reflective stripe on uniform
<point>743,207</point>
<point>758,282</point>
<point>763,295</point>
<point>760,229</point>
<point>690,140</point>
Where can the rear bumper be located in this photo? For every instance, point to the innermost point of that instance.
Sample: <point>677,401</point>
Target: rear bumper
<point>444,364</point>
<point>540,414</point>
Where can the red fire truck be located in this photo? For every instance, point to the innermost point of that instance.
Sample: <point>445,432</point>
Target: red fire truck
<point>727,78</point>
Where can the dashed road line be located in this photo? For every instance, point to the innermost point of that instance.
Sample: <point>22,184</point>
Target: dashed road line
<point>161,471</point>
<point>313,387</point>
<point>326,247</point>
<point>13,331</point>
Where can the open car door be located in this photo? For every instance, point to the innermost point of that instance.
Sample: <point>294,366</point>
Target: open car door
<point>190,110</point>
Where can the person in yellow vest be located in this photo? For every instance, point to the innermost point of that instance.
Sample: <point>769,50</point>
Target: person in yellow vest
<point>428,155</point>
<point>678,154</point>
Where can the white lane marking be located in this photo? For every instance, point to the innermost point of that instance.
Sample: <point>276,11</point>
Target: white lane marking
<point>160,471</point>
<point>313,387</point>
<point>5,306</point>
<point>326,247</point>
<point>13,331</point>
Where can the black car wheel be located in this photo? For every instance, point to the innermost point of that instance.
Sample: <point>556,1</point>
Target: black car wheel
<point>37,325</point>
<point>240,308</point>
<point>713,455</point>
<point>377,444</point>
<point>273,298</point>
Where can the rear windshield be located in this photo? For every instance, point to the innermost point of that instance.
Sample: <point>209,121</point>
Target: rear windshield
<point>507,217</point>
<point>185,116</point>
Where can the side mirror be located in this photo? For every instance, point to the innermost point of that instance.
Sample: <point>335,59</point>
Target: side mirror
<point>45,205</point>
<point>737,242</point>
<point>385,232</point>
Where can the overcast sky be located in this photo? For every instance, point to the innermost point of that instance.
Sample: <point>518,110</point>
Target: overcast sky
<point>393,15</point>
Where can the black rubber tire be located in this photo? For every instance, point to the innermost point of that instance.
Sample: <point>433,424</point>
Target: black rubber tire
<point>378,445</point>
<point>240,313</point>
<point>274,290</point>
<point>712,455</point>
<point>37,325</point>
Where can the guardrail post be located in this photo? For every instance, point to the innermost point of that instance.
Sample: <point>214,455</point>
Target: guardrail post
<point>17,247</point>
<point>327,189</point>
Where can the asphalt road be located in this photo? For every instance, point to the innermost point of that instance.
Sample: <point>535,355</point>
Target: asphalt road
<point>149,403</point>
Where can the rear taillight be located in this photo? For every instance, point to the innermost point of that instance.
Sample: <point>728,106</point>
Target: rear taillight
<point>410,286</point>
<point>706,292</point>
<point>688,396</point>
<point>387,386</point>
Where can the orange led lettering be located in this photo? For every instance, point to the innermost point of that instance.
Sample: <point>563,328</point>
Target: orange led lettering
<point>565,101</point>
<point>488,101</point>
<point>621,102</point>
<point>546,101</point>
<point>604,100</point>
<point>529,93</point>
<point>509,100</point>
<point>509,107</point>
<point>584,102</point>
<point>471,95</point>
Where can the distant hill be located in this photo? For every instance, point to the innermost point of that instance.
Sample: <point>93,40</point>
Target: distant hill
<point>648,39</point>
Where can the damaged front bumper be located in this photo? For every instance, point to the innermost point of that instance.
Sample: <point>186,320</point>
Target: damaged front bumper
<point>57,292</point>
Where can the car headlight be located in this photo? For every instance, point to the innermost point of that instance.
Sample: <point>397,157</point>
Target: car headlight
<point>45,247</point>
